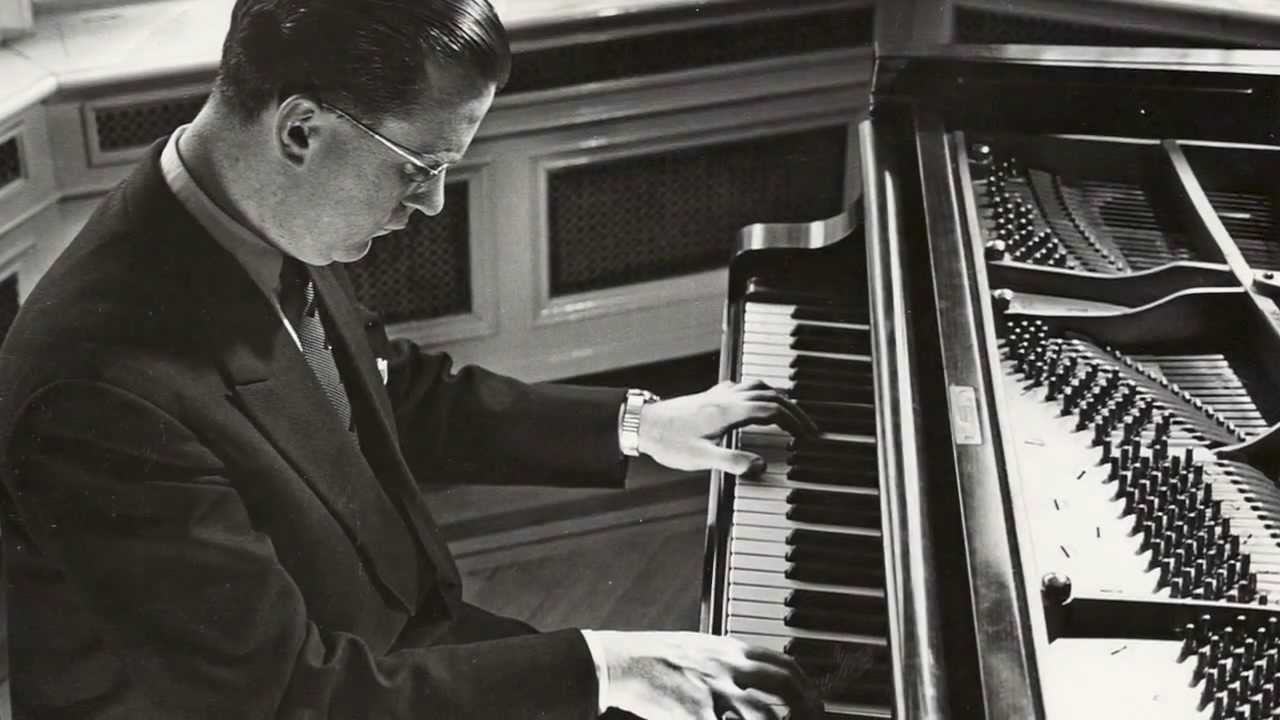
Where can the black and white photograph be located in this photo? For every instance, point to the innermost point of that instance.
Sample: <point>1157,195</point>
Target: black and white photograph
<point>639,359</point>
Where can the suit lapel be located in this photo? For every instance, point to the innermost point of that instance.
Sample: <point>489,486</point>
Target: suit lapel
<point>374,417</point>
<point>275,388</point>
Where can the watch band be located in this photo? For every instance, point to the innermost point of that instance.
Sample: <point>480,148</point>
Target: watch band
<point>629,421</point>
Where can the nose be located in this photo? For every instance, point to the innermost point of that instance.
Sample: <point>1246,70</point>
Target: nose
<point>429,199</point>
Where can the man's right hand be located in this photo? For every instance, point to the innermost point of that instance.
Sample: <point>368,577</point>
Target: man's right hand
<point>692,676</point>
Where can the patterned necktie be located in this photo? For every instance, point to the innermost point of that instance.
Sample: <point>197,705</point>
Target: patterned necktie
<point>298,301</point>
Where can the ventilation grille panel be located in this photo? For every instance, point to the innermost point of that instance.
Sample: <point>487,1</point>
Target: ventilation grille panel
<point>137,125</point>
<point>422,271</point>
<point>10,162</point>
<point>657,216</point>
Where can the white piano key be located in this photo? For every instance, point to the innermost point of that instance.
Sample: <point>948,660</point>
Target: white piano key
<point>762,353</point>
<point>770,308</point>
<point>772,507</point>
<point>761,626</point>
<point>769,433</point>
<point>758,562</point>
<point>778,379</point>
<point>763,593</point>
<point>761,548</point>
<point>781,484</point>
<point>768,335</point>
<point>769,319</point>
<point>764,534</point>
<point>779,520</point>
<point>758,547</point>
<point>859,711</point>
<point>762,610</point>
<point>766,578</point>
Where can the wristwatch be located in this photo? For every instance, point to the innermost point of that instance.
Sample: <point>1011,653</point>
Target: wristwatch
<point>629,420</point>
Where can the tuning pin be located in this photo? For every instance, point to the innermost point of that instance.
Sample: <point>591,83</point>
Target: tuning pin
<point>1055,588</point>
<point>995,250</point>
<point>1001,300</point>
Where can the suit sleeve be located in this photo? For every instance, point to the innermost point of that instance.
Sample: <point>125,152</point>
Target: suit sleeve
<point>476,426</point>
<point>199,613</point>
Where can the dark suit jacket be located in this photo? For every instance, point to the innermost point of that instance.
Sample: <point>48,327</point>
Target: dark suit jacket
<point>194,536</point>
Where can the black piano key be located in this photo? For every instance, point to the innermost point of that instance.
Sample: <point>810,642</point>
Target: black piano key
<point>844,502</point>
<point>847,672</point>
<point>806,367</point>
<point>838,602</point>
<point>840,517</point>
<point>862,544</point>
<point>837,574</point>
<point>851,476</point>
<point>831,392</point>
<point>860,462</point>
<point>819,301</point>
<point>875,624</point>
<point>824,338</point>
<point>853,571</point>
<point>849,418</point>
<point>820,447</point>
<point>849,554</point>
<point>832,312</point>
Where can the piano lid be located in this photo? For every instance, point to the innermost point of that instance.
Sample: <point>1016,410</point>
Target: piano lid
<point>1210,94</point>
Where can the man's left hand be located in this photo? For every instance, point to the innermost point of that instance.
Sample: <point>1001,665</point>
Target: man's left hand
<point>683,432</point>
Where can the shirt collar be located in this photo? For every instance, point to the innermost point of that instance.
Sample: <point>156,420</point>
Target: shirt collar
<point>259,257</point>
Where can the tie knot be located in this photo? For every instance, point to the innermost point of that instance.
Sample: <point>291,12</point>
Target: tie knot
<point>297,294</point>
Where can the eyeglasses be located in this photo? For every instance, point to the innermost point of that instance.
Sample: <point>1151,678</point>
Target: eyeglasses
<point>424,168</point>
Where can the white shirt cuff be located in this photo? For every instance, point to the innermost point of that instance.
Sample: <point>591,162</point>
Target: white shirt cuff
<point>602,669</point>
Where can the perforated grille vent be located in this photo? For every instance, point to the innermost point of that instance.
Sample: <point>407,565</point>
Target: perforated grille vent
<point>982,26</point>
<point>423,271</point>
<point>140,124</point>
<point>8,303</point>
<point>682,50</point>
<point>657,216</point>
<point>10,162</point>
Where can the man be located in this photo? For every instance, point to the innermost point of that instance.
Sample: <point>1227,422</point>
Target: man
<point>214,502</point>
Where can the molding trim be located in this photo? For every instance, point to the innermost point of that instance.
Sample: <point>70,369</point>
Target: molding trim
<point>16,132</point>
<point>624,24</point>
<point>34,189</point>
<point>482,321</point>
<point>717,86</point>
<point>1154,18</point>
<point>90,110</point>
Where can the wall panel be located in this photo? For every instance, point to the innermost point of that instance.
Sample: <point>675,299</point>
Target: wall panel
<point>673,213</point>
<point>422,272</point>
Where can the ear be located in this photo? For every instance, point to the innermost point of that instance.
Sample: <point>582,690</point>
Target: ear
<point>298,120</point>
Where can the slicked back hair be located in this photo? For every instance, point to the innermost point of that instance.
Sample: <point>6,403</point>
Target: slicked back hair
<point>366,56</point>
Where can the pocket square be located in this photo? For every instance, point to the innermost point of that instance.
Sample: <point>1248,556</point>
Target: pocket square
<point>383,369</point>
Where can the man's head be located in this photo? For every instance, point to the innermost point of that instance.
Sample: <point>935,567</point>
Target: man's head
<point>348,110</point>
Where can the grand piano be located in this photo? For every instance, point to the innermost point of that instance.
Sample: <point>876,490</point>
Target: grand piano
<point>1044,353</point>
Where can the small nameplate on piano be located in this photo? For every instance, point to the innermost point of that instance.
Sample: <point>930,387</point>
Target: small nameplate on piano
<point>966,429</point>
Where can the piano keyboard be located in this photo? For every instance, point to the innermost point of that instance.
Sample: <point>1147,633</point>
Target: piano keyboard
<point>806,565</point>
